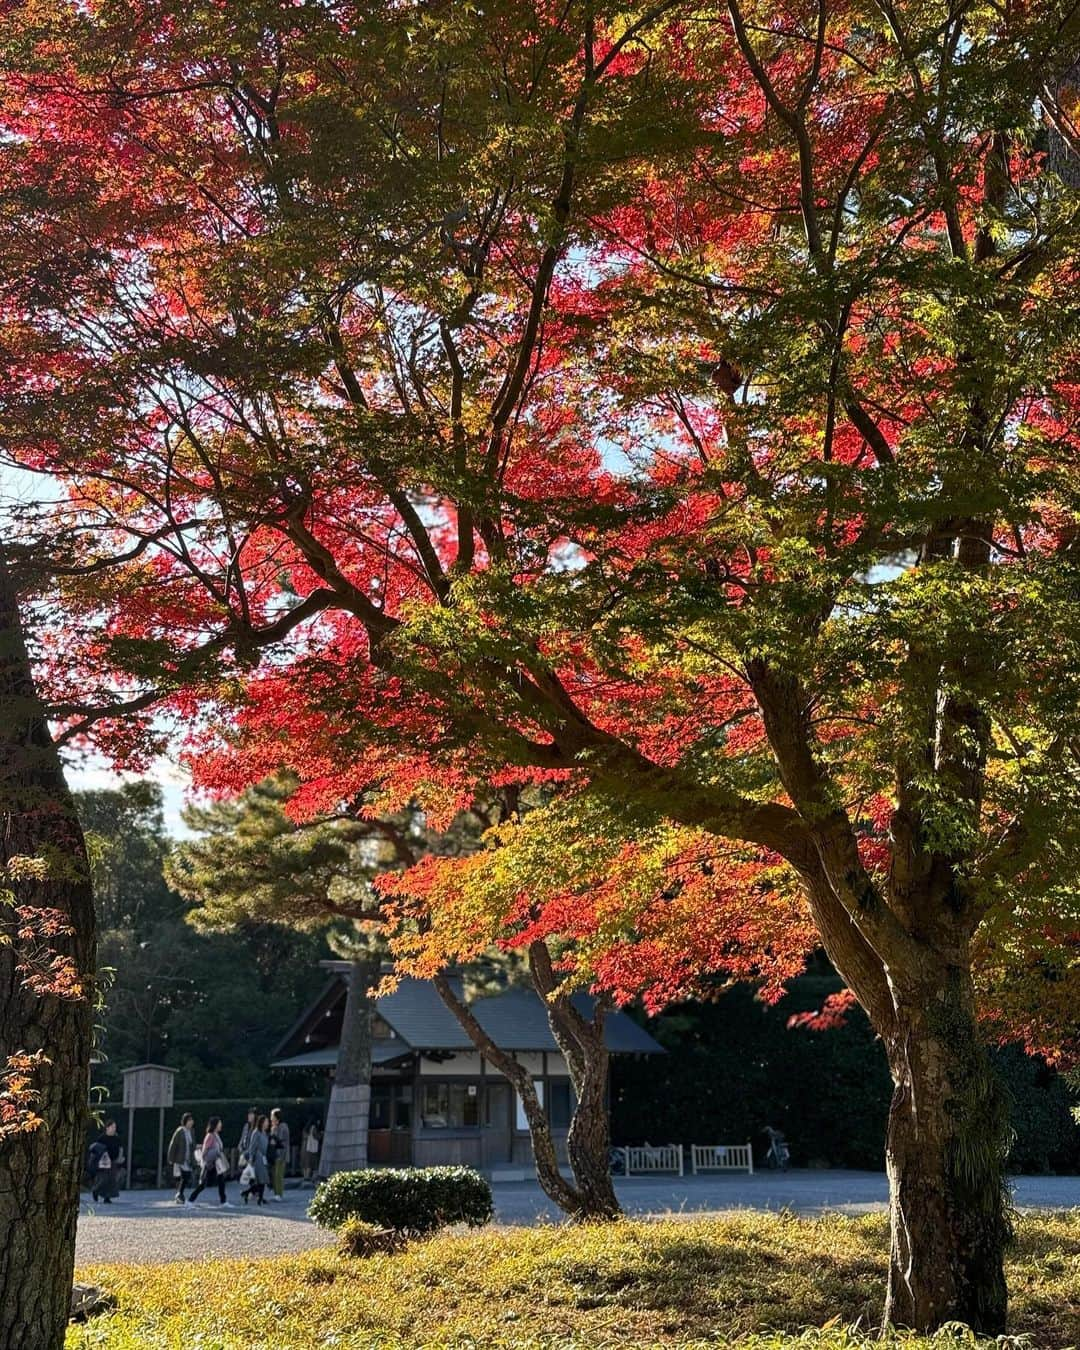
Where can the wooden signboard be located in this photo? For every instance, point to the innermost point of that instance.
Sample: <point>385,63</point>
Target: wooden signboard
<point>148,1085</point>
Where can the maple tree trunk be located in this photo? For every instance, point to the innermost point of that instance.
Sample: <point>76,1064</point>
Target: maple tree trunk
<point>345,1140</point>
<point>946,1146</point>
<point>582,1043</point>
<point>545,1155</point>
<point>40,1171</point>
<point>588,1143</point>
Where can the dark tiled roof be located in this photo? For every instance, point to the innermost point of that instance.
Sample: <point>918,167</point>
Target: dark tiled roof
<point>515,1020</point>
<point>421,1018</point>
<point>382,1052</point>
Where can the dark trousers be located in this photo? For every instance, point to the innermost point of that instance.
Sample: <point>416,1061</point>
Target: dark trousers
<point>185,1180</point>
<point>106,1183</point>
<point>210,1174</point>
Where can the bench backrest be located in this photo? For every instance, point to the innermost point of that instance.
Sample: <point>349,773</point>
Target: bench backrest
<point>721,1158</point>
<point>658,1158</point>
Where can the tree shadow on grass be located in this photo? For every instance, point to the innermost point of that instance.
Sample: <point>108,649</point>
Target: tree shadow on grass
<point>700,1286</point>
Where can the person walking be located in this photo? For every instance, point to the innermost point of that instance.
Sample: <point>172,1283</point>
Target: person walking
<point>258,1141</point>
<point>310,1144</point>
<point>244,1146</point>
<point>278,1154</point>
<point>104,1164</point>
<point>213,1163</point>
<point>182,1154</point>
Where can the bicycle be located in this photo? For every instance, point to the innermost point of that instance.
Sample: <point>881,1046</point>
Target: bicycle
<point>778,1156</point>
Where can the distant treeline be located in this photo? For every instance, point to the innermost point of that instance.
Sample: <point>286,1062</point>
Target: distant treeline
<point>734,1066</point>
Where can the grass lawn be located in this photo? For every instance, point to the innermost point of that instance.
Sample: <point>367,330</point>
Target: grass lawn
<point>757,1281</point>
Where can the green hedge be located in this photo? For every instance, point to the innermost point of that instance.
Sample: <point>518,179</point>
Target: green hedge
<point>413,1201</point>
<point>734,1066</point>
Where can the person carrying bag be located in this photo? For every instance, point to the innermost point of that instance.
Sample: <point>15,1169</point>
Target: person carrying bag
<point>183,1154</point>
<point>215,1166</point>
<point>106,1156</point>
<point>255,1184</point>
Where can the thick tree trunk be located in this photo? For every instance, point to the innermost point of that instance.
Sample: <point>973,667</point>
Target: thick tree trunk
<point>588,1144</point>
<point>947,1141</point>
<point>40,1171</point>
<point>345,1140</point>
<point>584,1048</point>
<point>545,1155</point>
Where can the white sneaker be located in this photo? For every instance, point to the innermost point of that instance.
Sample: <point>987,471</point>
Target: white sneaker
<point>278,1198</point>
<point>192,1203</point>
<point>226,1204</point>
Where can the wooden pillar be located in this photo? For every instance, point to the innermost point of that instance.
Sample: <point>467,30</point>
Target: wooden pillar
<point>131,1149</point>
<point>416,1087</point>
<point>482,1113</point>
<point>160,1142</point>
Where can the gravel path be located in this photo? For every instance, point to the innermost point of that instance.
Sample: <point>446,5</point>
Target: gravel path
<point>144,1226</point>
<point>141,1229</point>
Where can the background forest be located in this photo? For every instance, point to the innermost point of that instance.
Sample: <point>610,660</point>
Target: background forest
<point>214,1005</point>
<point>211,1005</point>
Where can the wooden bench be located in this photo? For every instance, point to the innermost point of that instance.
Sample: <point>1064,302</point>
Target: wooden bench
<point>721,1158</point>
<point>648,1159</point>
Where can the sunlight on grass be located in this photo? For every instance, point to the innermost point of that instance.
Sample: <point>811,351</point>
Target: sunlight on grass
<point>759,1281</point>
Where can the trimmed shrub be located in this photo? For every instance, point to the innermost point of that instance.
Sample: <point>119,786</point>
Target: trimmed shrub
<point>412,1201</point>
<point>360,1239</point>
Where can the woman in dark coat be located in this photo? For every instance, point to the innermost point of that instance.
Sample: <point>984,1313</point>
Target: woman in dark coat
<point>105,1164</point>
<point>256,1154</point>
<point>181,1155</point>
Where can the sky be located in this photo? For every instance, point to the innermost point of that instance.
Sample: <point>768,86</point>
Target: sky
<point>94,772</point>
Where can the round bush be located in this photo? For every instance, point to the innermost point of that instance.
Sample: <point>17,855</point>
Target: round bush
<point>412,1201</point>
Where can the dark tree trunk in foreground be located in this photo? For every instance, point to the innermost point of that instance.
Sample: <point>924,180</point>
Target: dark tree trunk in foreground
<point>903,945</point>
<point>345,1140</point>
<point>948,1132</point>
<point>588,1143</point>
<point>40,1171</point>
<point>946,1146</point>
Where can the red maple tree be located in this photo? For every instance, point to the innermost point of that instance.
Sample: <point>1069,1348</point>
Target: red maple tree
<point>661,409</point>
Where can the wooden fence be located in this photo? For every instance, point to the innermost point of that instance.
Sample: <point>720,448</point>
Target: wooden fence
<point>721,1158</point>
<point>649,1158</point>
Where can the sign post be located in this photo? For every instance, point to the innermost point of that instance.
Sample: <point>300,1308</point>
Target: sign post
<point>147,1085</point>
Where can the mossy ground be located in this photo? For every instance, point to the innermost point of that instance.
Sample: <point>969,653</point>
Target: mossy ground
<point>758,1281</point>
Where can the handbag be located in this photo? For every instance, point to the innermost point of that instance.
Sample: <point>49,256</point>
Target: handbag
<point>221,1166</point>
<point>198,1155</point>
<point>247,1176</point>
